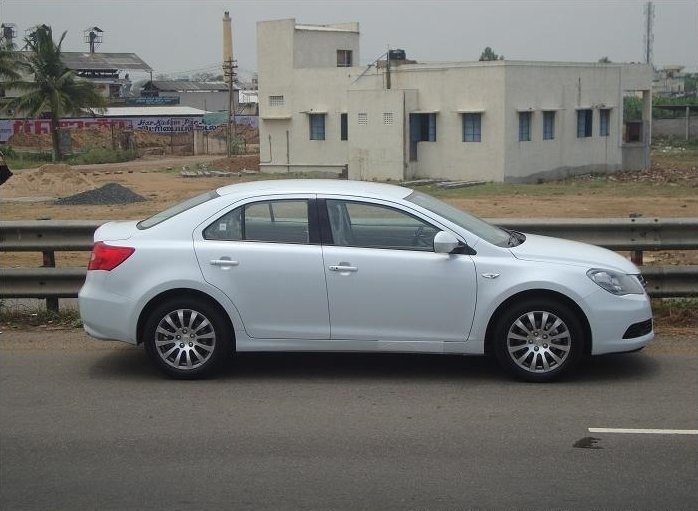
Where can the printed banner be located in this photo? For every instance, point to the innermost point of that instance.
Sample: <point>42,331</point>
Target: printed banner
<point>9,127</point>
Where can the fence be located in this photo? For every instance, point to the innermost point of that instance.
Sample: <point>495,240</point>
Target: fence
<point>623,234</point>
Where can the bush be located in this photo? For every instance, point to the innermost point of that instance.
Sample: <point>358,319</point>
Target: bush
<point>97,155</point>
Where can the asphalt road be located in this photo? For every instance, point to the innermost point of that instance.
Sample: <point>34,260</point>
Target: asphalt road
<point>88,425</point>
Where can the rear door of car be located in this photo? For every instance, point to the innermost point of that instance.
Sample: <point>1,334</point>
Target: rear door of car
<point>265,254</point>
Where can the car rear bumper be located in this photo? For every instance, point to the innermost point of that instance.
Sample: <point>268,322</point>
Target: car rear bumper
<point>105,315</point>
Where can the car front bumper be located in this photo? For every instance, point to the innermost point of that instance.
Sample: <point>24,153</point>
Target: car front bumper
<point>611,316</point>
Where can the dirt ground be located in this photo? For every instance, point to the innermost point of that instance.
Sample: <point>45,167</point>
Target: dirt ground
<point>668,189</point>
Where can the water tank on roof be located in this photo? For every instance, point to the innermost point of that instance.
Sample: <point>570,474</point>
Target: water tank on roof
<point>397,54</point>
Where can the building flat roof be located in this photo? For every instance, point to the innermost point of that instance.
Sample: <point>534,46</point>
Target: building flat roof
<point>188,86</point>
<point>103,61</point>
<point>147,111</point>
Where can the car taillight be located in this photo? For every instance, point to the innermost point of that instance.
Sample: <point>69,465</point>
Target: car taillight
<point>108,257</point>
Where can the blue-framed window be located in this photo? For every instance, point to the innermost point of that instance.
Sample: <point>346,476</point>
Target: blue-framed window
<point>472,127</point>
<point>584,123</point>
<point>549,125</point>
<point>343,127</point>
<point>604,122</point>
<point>317,126</point>
<point>524,126</point>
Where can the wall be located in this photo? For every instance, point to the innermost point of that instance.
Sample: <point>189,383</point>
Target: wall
<point>567,89</point>
<point>675,127</point>
<point>318,48</point>
<point>451,90</point>
<point>376,149</point>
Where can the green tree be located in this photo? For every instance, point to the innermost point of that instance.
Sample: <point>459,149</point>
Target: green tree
<point>53,87</point>
<point>632,108</point>
<point>489,54</point>
<point>604,60</point>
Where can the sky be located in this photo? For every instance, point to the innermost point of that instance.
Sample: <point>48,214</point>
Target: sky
<point>185,36</point>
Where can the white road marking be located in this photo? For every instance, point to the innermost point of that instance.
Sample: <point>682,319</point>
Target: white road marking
<point>645,431</point>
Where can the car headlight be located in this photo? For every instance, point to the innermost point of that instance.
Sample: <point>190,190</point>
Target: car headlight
<point>616,282</point>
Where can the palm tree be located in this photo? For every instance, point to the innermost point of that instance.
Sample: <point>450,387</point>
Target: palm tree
<point>54,87</point>
<point>8,63</point>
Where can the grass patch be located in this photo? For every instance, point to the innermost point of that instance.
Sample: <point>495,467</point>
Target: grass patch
<point>676,312</point>
<point>96,155</point>
<point>18,316</point>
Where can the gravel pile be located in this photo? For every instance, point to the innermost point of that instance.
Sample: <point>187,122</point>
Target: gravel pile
<point>111,193</point>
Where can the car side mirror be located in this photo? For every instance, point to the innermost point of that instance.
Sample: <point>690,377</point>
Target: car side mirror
<point>446,243</point>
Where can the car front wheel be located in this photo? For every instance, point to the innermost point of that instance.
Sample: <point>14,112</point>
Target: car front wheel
<point>539,340</point>
<point>186,339</point>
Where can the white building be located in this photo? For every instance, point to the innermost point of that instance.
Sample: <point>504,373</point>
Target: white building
<point>493,121</point>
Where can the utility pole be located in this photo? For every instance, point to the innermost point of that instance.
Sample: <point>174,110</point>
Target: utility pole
<point>229,67</point>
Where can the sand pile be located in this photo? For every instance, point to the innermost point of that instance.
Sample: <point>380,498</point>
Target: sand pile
<point>46,181</point>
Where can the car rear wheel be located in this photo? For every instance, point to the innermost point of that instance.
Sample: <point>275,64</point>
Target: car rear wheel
<point>539,340</point>
<point>186,339</point>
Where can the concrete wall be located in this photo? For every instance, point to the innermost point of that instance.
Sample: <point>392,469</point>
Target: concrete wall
<point>377,150</point>
<point>318,48</point>
<point>451,91</point>
<point>567,89</point>
<point>676,128</point>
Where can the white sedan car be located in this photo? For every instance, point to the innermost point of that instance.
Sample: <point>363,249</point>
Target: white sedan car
<point>315,265</point>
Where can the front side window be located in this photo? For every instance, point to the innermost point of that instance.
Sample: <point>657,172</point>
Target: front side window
<point>360,224</point>
<point>524,126</point>
<point>472,127</point>
<point>282,221</point>
<point>317,126</point>
<point>584,123</point>
<point>478,227</point>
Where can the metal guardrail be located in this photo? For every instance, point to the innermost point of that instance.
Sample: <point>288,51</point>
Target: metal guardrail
<point>624,234</point>
<point>612,233</point>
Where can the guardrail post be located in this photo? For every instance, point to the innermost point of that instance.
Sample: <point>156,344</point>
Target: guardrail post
<point>49,257</point>
<point>636,255</point>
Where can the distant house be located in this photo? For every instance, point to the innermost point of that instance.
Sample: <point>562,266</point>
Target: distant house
<point>108,71</point>
<point>209,96</point>
<point>320,109</point>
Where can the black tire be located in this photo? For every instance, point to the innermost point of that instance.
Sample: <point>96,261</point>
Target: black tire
<point>192,343</point>
<point>544,349</point>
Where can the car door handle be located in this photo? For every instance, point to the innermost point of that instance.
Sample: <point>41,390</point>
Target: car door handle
<point>223,262</point>
<point>341,268</point>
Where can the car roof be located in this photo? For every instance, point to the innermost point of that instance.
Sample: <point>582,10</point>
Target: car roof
<point>319,186</point>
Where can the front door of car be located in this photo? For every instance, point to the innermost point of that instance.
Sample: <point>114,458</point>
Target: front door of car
<point>385,282</point>
<point>266,256</point>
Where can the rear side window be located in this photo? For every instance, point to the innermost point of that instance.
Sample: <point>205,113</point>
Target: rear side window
<point>176,210</point>
<point>283,221</point>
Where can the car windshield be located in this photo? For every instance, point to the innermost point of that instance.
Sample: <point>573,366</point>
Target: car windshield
<point>176,210</point>
<point>478,227</point>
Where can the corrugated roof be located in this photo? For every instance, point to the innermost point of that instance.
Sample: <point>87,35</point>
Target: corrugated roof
<point>188,86</point>
<point>79,60</point>
<point>145,111</point>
